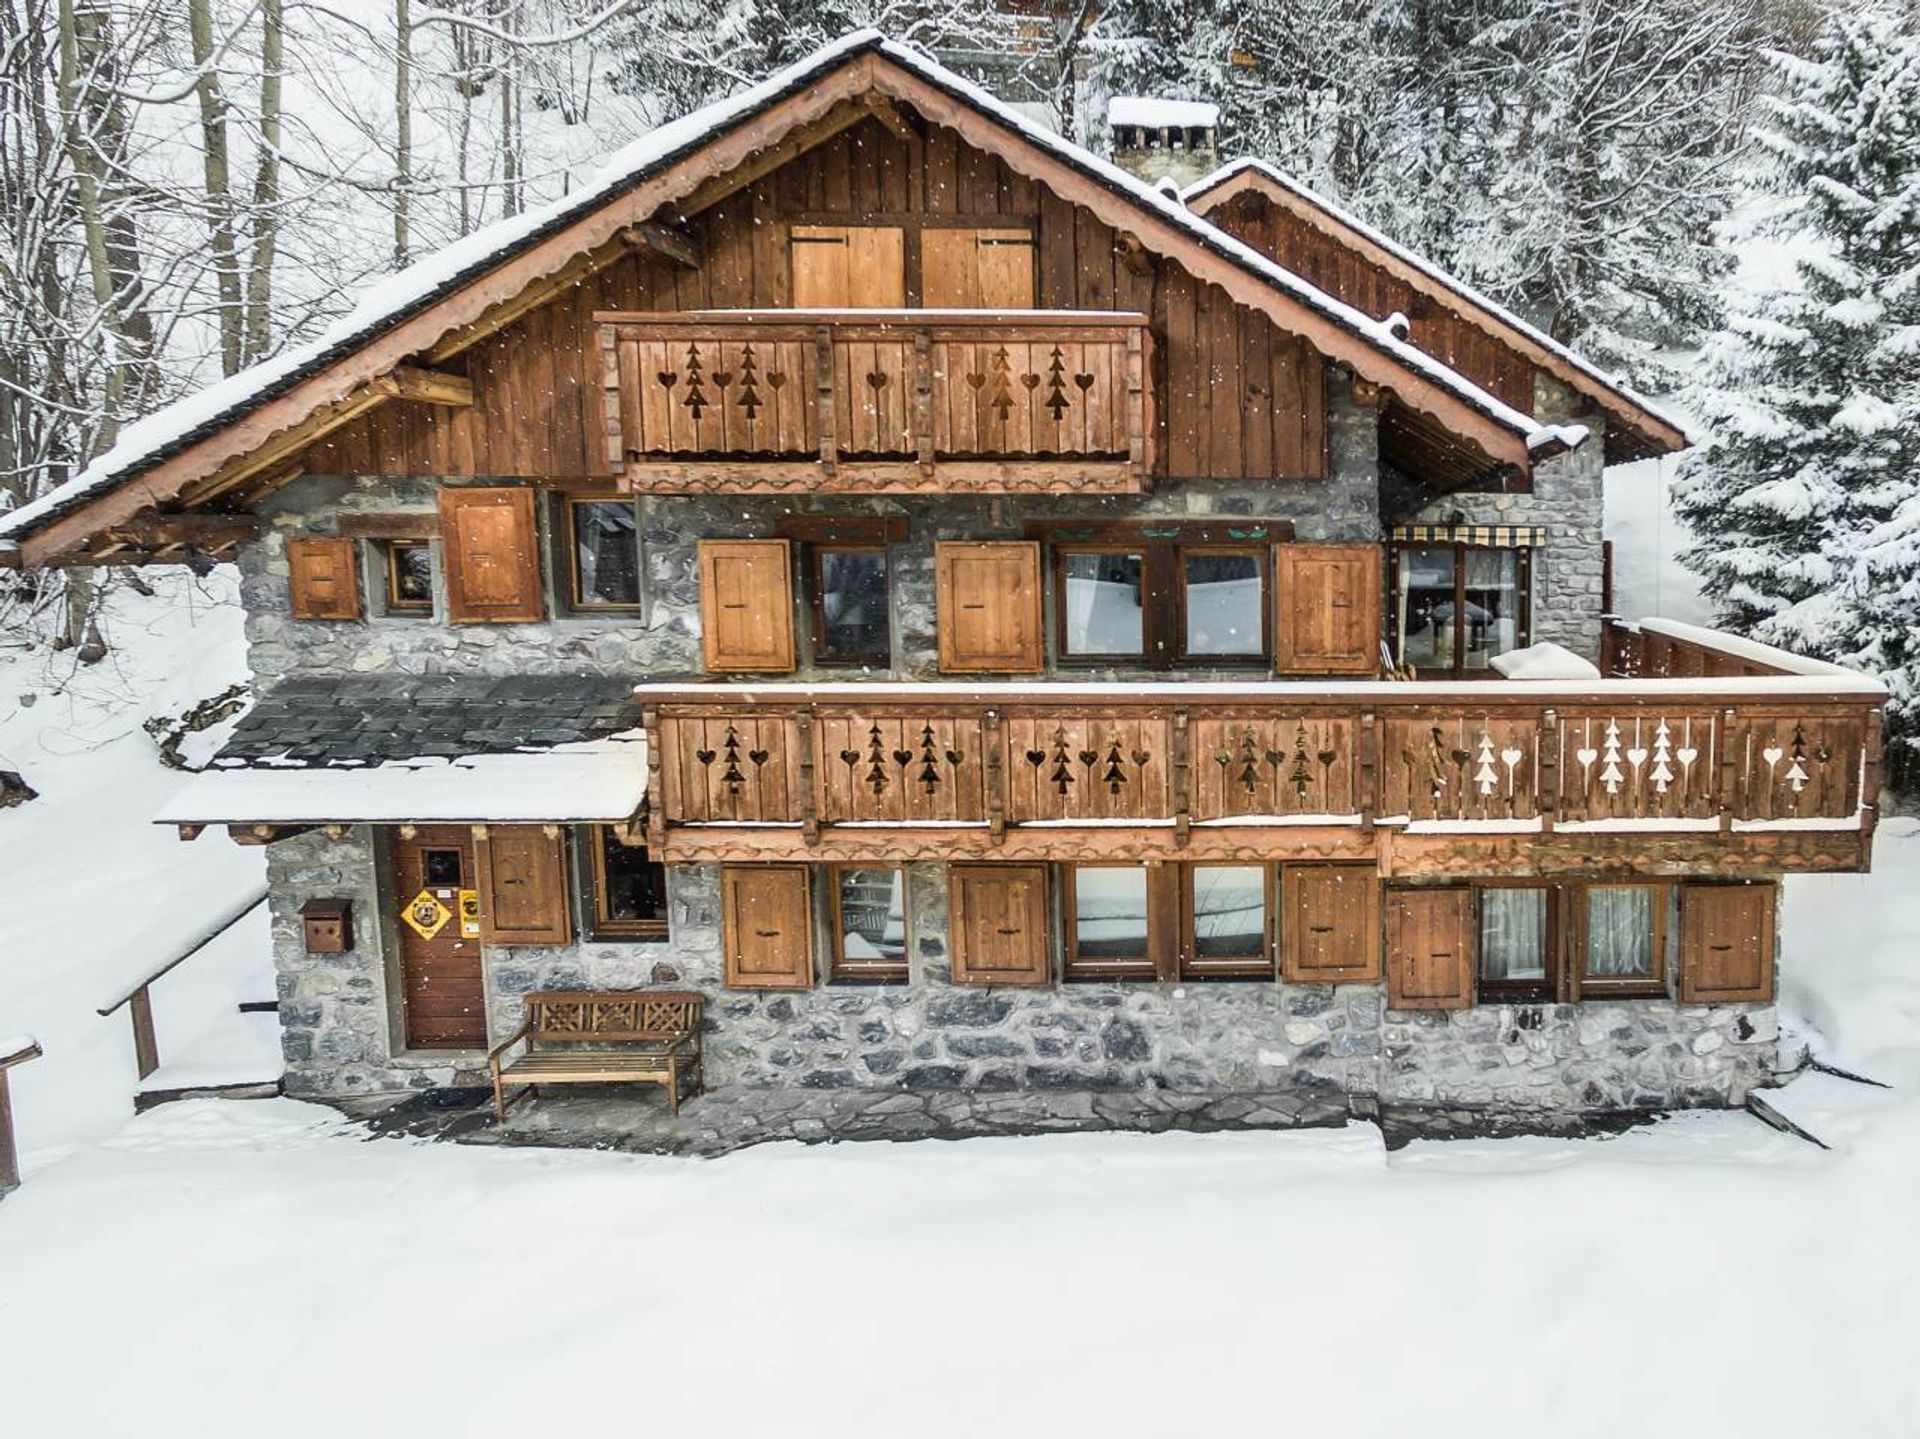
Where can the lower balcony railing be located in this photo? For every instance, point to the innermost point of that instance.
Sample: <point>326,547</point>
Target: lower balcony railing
<point>1792,753</point>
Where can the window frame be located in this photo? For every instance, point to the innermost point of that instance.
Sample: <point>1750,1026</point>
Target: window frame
<point>1192,967</point>
<point>391,604</point>
<point>840,969</point>
<point>1665,933</point>
<point>1522,991</point>
<point>576,602</point>
<point>599,924</point>
<point>1075,970</point>
<point>814,555</point>
<point>1163,602</point>
<point>1523,590</point>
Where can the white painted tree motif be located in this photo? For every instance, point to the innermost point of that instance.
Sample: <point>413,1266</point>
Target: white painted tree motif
<point>1485,778</point>
<point>1611,775</point>
<point>1662,775</point>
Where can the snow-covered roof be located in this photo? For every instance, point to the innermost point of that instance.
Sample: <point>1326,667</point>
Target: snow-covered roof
<point>1345,218</point>
<point>595,781</point>
<point>152,439</point>
<point>1152,113</point>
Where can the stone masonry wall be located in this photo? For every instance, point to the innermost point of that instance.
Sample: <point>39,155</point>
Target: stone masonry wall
<point>1567,498</point>
<point>342,1034</point>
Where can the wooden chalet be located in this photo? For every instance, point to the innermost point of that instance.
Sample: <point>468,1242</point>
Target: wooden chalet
<point>974,619</point>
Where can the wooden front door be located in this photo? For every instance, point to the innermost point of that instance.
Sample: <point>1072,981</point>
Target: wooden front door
<point>446,1004</point>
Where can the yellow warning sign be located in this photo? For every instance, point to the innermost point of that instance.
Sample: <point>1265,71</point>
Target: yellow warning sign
<point>426,915</point>
<point>470,914</point>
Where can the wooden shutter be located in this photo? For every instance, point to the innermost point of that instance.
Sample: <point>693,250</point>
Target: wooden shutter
<point>1430,947</point>
<point>522,871</point>
<point>998,915</point>
<point>966,269</point>
<point>746,604</point>
<point>1330,924</point>
<point>1328,599</point>
<point>323,579</point>
<point>849,267</point>
<point>768,926</point>
<point>1726,943</point>
<point>987,604</point>
<point>490,550</point>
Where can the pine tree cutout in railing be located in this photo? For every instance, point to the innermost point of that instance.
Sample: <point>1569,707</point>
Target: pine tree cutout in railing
<point>929,762</point>
<point>733,777</point>
<point>749,400</point>
<point>1062,776</point>
<point>1301,775</point>
<point>1116,775</point>
<point>696,399</point>
<point>876,762</point>
<point>1057,401</point>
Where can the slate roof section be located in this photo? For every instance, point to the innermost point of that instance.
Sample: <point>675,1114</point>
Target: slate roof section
<point>352,720</point>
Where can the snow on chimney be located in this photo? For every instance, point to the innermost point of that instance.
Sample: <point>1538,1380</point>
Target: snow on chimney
<point>1158,140</point>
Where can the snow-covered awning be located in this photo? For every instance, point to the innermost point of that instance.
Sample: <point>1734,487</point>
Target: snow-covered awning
<point>603,780</point>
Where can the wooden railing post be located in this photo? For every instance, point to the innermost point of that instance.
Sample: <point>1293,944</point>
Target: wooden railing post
<point>823,378</point>
<point>656,732</point>
<point>1548,769</point>
<point>1182,778</point>
<point>146,1048</point>
<point>9,1154</point>
<point>993,741</point>
<point>809,801</point>
<point>614,450</point>
<point>1137,451</point>
<point>1369,776</point>
<point>923,398</point>
<point>1729,770</point>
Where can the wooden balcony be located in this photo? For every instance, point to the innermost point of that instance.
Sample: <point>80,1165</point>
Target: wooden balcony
<point>1734,775</point>
<point>877,401</point>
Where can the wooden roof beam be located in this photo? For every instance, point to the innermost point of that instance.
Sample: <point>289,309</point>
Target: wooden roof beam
<point>901,124</point>
<point>427,387</point>
<point>670,242</point>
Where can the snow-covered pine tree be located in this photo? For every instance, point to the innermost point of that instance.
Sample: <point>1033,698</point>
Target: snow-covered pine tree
<point>1806,491</point>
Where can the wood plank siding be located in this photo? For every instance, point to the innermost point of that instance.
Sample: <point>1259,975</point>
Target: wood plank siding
<point>1239,398</point>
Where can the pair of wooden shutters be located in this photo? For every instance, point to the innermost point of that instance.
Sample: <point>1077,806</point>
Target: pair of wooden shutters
<point>489,544</point>
<point>1726,946</point>
<point>848,267</point>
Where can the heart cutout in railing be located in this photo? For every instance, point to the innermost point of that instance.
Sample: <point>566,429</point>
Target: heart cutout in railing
<point>850,756</point>
<point>903,757</point>
<point>977,381</point>
<point>705,756</point>
<point>1088,757</point>
<point>722,378</point>
<point>776,378</point>
<point>1036,757</point>
<point>877,380</point>
<point>758,756</point>
<point>666,377</point>
<point>1085,382</point>
<point>1032,382</point>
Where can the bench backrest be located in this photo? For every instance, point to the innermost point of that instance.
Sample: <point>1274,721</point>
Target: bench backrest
<point>601,1015</point>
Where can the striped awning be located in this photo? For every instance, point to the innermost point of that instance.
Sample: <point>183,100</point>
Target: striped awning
<point>1505,537</point>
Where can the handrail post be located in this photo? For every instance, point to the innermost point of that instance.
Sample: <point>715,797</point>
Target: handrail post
<point>809,802</point>
<point>823,388</point>
<point>1547,769</point>
<point>923,397</point>
<point>994,743</point>
<point>1182,779</point>
<point>146,1048</point>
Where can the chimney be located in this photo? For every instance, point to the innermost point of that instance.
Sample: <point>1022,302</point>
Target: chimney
<point>1159,140</point>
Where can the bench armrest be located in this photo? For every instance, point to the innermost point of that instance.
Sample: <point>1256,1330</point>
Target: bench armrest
<point>494,1055</point>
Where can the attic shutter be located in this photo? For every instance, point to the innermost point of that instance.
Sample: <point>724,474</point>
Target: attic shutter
<point>849,267</point>
<point>999,919</point>
<point>746,604</point>
<point>1726,943</point>
<point>769,926</point>
<point>323,579</point>
<point>1328,600</point>
<point>1430,941</point>
<point>987,603</point>
<point>965,269</point>
<point>523,884</point>
<point>1330,924</point>
<point>491,556</point>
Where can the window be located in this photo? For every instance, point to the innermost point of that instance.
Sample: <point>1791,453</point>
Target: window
<point>1456,606</point>
<point>848,594</point>
<point>1516,944</point>
<point>629,889</point>
<point>1227,930</point>
<point>408,567</point>
<point>1105,908</point>
<point>604,555</point>
<point>869,923</point>
<point>1626,932</point>
<point>1162,604</point>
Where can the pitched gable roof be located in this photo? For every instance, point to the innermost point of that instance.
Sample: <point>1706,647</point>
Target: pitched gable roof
<point>417,308</point>
<point>1653,431</point>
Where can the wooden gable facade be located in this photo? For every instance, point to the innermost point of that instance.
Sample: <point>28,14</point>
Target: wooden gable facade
<point>1242,398</point>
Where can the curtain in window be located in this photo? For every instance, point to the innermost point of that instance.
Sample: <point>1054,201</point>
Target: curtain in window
<point>1620,932</point>
<point>1513,934</point>
<point>1492,617</point>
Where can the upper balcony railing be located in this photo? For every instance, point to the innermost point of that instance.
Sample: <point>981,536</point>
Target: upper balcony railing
<point>864,400</point>
<point>1784,764</point>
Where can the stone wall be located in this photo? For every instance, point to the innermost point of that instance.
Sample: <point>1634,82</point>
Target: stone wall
<point>342,1032</point>
<point>1567,498</point>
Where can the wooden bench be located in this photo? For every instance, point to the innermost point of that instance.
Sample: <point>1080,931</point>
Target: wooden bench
<point>604,1037</point>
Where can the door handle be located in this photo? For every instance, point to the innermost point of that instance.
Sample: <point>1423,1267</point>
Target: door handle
<point>1319,929</point>
<point>1008,931</point>
<point>767,933</point>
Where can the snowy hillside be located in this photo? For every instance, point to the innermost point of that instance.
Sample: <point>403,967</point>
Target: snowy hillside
<point>92,896</point>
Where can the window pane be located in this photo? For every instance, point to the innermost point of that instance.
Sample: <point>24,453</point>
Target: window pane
<point>1229,911</point>
<point>409,575</point>
<point>1493,605</point>
<point>873,916</point>
<point>636,887</point>
<point>1103,604</point>
<point>607,553</point>
<point>1225,605</point>
<point>1620,932</point>
<point>1425,605</point>
<point>1513,934</point>
<point>1110,913</point>
<point>853,606</point>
